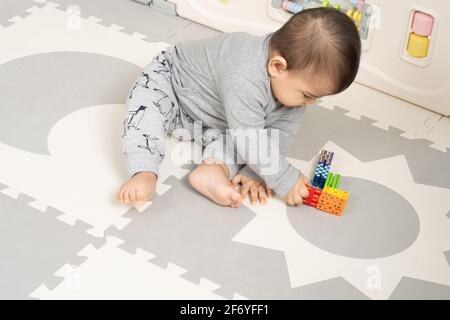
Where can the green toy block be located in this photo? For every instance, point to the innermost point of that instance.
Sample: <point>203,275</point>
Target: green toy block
<point>338,181</point>
<point>327,182</point>
<point>335,181</point>
<point>332,181</point>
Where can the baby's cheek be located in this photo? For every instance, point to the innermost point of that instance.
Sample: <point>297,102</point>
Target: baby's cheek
<point>310,101</point>
<point>299,102</point>
<point>288,99</point>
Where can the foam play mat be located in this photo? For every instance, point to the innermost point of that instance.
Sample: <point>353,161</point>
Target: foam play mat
<point>65,71</point>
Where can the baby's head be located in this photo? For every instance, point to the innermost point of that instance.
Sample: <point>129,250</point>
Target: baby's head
<point>315,54</point>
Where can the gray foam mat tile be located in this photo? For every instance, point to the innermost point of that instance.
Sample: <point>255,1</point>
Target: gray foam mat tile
<point>191,31</point>
<point>370,229</point>
<point>51,94</point>
<point>415,289</point>
<point>12,8</point>
<point>136,17</point>
<point>34,245</point>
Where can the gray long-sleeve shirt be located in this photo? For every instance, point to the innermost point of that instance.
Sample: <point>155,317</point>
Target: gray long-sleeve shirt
<point>224,83</point>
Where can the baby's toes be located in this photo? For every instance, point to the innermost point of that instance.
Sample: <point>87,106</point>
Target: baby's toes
<point>238,203</point>
<point>141,197</point>
<point>137,197</point>
<point>129,196</point>
<point>119,195</point>
<point>235,198</point>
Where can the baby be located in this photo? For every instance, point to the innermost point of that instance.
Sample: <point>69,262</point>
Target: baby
<point>241,90</point>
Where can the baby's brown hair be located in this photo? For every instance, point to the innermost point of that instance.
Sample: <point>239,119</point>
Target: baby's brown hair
<point>323,42</point>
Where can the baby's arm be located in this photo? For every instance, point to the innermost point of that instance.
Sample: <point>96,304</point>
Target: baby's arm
<point>243,99</point>
<point>287,124</point>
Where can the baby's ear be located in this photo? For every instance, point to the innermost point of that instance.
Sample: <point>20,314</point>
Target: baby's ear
<point>277,65</point>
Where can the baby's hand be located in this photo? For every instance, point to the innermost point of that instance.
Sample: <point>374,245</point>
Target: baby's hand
<point>299,191</point>
<point>255,188</point>
<point>138,189</point>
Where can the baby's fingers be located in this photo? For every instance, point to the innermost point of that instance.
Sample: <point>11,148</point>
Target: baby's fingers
<point>262,194</point>
<point>244,190</point>
<point>297,199</point>
<point>254,194</point>
<point>236,179</point>
<point>290,201</point>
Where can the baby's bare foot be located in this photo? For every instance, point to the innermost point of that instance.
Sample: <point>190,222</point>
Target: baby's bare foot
<point>138,189</point>
<point>212,182</point>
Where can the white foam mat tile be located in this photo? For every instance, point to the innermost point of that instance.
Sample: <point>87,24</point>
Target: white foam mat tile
<point>111,273</point>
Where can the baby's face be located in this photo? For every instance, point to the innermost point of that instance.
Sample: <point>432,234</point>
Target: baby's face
<point>294,89</point>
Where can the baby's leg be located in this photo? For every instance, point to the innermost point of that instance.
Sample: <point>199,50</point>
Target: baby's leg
<point>151,108</point>
<point>212,177</point>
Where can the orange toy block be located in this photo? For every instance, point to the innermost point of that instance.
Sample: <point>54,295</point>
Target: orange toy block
<point>333,200</point>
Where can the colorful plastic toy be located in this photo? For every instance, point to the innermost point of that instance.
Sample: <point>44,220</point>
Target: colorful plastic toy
<point>324,194</point>
<point>357,10</point>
